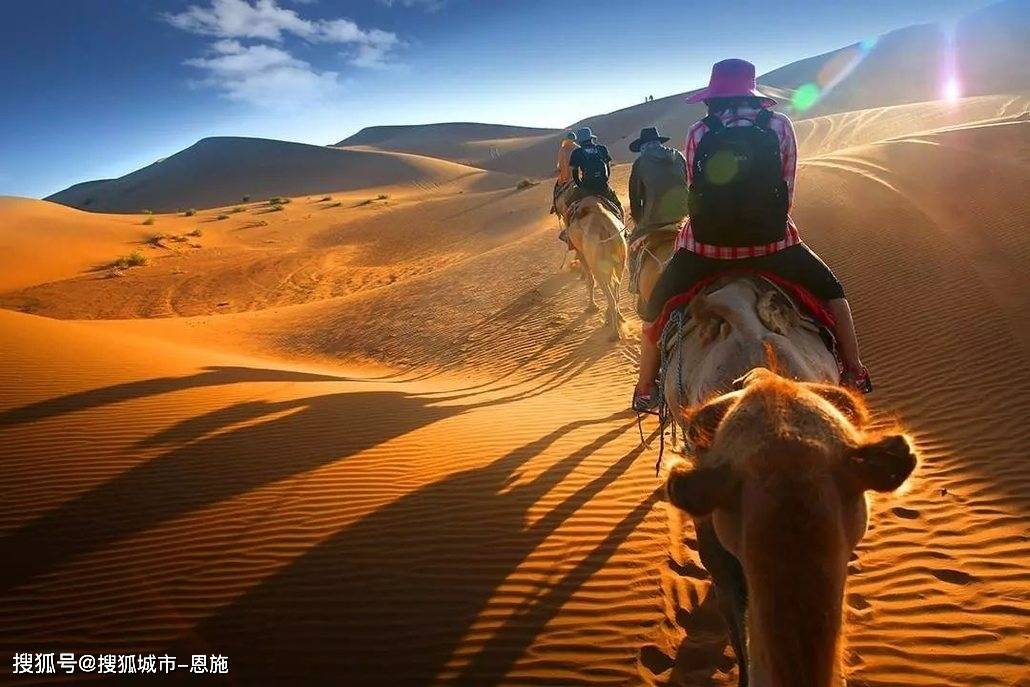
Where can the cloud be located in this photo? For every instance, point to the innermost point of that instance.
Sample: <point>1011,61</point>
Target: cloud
<point>263,75</point>
<point>248,72</point>
<point>266,20</point>
<point>427,5</point>
<point>239,19</point>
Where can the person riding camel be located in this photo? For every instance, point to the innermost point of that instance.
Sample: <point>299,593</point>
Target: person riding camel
<point>568,144</point>
<point>657,184</point>
<point>741,166</point>
<point>591,169</point>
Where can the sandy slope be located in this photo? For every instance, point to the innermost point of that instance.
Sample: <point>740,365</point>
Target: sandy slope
<point>478,145</point>
<point>221,171</point>
<point>268,484</point>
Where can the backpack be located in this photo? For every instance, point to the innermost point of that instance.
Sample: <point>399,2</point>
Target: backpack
<point>594,165</point>
<point>738,196</point>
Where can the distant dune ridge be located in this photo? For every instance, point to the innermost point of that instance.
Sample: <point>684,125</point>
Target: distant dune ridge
<point>371,432</point>
<point>220,171</point>
<point>987,52</point>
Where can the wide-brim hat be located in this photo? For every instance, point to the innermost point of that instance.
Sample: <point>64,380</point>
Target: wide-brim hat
<point>584,135</point>
<point>732,78</point>
<point>647,134</point>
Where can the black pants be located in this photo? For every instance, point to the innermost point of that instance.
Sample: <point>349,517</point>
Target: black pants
<point>797,264</point>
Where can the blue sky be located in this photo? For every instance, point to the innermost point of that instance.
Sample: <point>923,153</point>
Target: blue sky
<point>97,88</point>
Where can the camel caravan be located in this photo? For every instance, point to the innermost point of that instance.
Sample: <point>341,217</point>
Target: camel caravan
<point>749,350</point>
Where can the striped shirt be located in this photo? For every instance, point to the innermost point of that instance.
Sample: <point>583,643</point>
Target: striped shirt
<point>744,116</point>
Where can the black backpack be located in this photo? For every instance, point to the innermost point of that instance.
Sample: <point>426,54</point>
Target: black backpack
<point>738,196</point>
<point>594,166</point>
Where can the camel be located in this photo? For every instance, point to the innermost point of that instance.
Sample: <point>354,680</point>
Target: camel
<point>780,470</point>
<point>656,250</point>
<point>597,236</point>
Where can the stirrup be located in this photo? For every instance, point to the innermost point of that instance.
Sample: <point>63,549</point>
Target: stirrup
<point>646,402</point>
<point>860,381</point>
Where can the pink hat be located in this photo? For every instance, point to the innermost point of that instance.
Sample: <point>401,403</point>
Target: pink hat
<point>731,78</point>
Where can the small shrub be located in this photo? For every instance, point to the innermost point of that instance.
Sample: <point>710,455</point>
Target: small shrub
<point>133,259</point>
<point>189,213</point>
<point>148,212</point>
<point>237,209</point>
<point>325,199</point>
<point>278,200</point>
<point>155,239</point>
<point>336,204</point>
<point>382,196</point>
<point>148,221</point>
<point>277,208</point>
<point>220,217</point>
<point>525,183</point>
<point>246,199</point>
<point>196,232</point>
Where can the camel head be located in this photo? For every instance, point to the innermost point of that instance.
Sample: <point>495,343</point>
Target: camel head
<point>782,468</point>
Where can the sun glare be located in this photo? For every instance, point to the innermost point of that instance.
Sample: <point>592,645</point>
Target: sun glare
<point>952,89</point>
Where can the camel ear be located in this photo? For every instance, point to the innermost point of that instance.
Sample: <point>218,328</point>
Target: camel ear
<point>702,424</point>
<point>846,401</point>
<point>883,465</point>
<point>699,491</point>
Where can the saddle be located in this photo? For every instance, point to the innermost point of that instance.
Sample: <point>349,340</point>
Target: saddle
<point>606,202</point>
<point>810,311</point>
<point>641,241</point>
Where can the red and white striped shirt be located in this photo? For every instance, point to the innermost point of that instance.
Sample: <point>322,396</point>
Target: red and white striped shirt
<point>744,116</point>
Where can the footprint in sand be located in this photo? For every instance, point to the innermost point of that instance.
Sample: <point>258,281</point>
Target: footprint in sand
<point>953,576</point>
<point>858,602</point>
<point>906,513</point>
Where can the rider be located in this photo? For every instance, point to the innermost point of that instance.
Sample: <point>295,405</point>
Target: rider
<point>591,169</point>
<point>741,164</point>
<point>568,144</point>
<point>657,184</point>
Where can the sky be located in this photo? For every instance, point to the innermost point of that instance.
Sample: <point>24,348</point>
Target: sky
<point>97,88</point>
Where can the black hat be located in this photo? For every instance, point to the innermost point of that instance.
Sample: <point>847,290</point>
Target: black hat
<point>647,134</point>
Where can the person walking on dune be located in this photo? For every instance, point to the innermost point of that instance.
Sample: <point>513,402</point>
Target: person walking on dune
<point>591,169</point>
<point>741,166</point>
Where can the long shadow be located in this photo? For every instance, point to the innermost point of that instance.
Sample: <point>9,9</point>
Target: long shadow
<point>282,439</point>
<point>386,600</point>
<point>210,376</point>
<point>496,659</point>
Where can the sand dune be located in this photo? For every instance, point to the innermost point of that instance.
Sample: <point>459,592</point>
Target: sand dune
<point>477,145</point>
<point>221,171</point>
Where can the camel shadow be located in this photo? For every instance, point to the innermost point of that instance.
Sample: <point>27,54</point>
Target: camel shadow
<point>94,398</point>
<point>213,457</point>
<point>388,599</point>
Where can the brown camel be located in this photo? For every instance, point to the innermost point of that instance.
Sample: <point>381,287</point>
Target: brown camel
<point>738,324</point>
<point>656,250</point>
<point>597,236</point>
<point>781,469</point>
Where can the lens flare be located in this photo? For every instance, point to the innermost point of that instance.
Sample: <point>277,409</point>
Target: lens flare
<point>952,89</point>
<point>805,97</point>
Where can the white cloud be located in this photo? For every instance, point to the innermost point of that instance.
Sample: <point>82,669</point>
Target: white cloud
<point>263,75</point>
<point>248,72</point>
<point>239,19</point>
<point>428,5</point>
